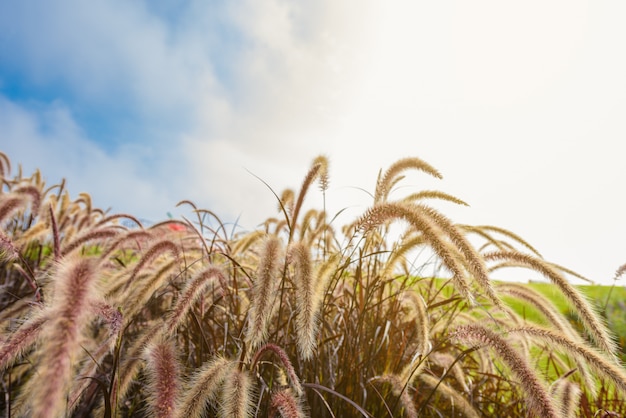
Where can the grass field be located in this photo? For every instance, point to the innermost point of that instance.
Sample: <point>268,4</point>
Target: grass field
<point>102,316</point>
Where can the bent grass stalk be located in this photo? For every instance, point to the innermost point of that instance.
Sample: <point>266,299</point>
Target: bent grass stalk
<point>203,388</point>
<point>286,405</point>
<point>194,289</point>
<point>589,317</point>
<point>384,183</point>
<point>539,400</point>
<point>399,389</point>
<point>601,364</point>
<point>21,340</point>
<point>284,359</point>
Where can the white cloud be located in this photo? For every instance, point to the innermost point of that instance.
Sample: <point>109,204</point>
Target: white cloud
<point>519,105</point>
<point>51,141</point>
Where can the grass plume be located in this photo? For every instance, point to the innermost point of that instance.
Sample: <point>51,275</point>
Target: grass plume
<point>68,315</point>
<point>264,292</point>
<point>163,379</point>
<point>307,300</point>
<point>539,400</point>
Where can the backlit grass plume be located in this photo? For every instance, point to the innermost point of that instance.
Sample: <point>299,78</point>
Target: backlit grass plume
<point>307,300</point>
<point>264,292</point>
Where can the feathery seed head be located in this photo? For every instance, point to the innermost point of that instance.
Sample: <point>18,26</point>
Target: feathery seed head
<point>263,292</point>
<point>284,358</point>
<point>237,395</point>
<point>286,405</point>
<point>163,378</point>
<point>539,401</point>
<point>308,300</point>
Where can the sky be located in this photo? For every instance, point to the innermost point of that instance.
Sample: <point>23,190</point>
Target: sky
<point>520,105</point>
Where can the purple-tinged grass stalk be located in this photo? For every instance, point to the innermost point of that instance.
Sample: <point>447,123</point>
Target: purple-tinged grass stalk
<point>308,301</point>
<point>130,236</point>
<point>538,398</point>
<point>35,196</point>
<point>286,405</point>
<point>10,204</point>
<point>284,358</point>
<point>203,388</point>
<point>112,316</point>
<point>237,394</point>
<point>456,399</point>
<point>131,364</point>
<point>263,293</point>
<point>145,287</point>
<point>116,216</point>
<point>8,250</point>
<point>417,305</point>
<point>163,381</point>
<point>97,234</point>
<point>21,340</point>
<point>56,239</point>
<point>193,290</point>
<point>586,312</point>
<point>161,247</point>
<point>90,368</point>
<point>68,314</point>
<point>400,389</point>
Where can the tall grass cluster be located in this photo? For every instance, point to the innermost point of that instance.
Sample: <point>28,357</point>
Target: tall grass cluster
<point>103,316</point>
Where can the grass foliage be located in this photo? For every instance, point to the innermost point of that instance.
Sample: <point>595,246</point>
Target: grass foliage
<point>103,316</point>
